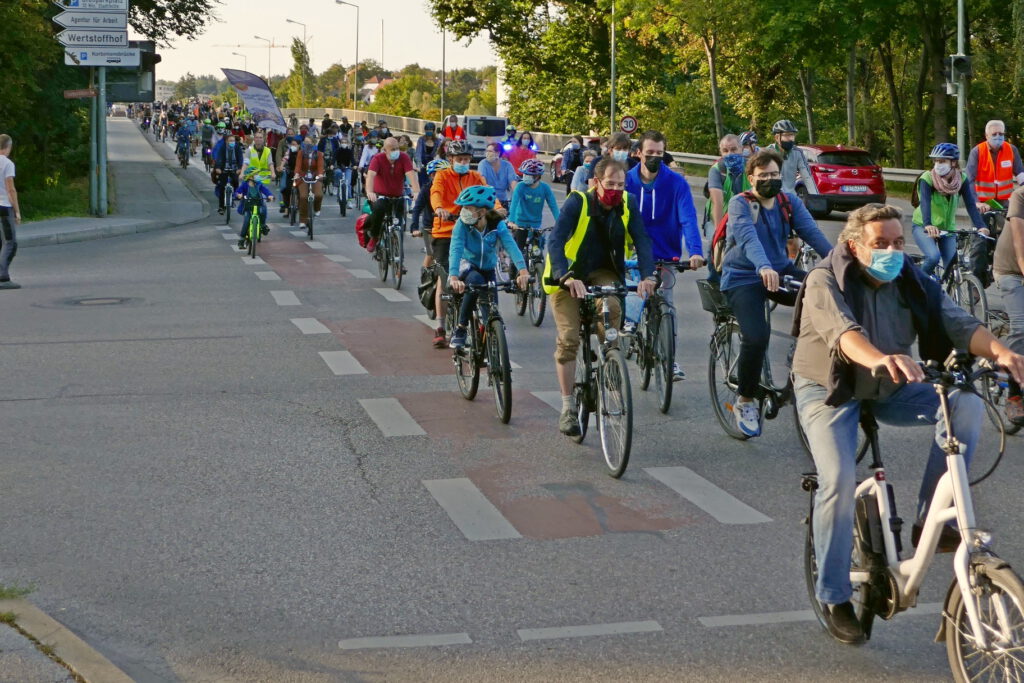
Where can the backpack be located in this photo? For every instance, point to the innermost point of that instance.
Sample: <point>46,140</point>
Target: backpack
<point>721,242</point>
<point>915,200</point>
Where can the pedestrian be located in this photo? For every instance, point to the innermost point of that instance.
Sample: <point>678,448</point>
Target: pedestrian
<point>10,213</point>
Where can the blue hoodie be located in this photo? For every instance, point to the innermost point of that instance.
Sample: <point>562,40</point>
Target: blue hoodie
<point>480,249</point>
<point>668,212</point>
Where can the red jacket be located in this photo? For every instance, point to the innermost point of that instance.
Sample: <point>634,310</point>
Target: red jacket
<point>455,133</point>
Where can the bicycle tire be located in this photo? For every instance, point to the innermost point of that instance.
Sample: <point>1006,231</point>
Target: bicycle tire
<point>722,359</point>
<point>970,296</point>
<point>615,411</point>
<point>643,349</point>
<point>522,300</point>
<point>397,250</point>
<point>663,357</point>
<point>467,365</point>
<point>500,369</point>
<point>811,570</point>
<point>382,252</point>
<point>310,199</point>
<point>581,392</point>
<point>343,190</point>
<point>226,201</point>
<point>538,297</point>
<point>254,233</point>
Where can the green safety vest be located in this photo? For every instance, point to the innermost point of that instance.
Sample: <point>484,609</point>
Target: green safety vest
<point>943,207</point>
<point>572,247</point>
<point>261,163</point>
<point>727,193</point>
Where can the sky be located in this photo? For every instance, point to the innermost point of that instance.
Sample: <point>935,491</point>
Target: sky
<point>410,35</point>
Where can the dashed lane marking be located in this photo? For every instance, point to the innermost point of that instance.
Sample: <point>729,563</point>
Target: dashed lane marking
<point>285,298</point>
<point>338,258</point>
<point>362,274</point>
<point>253,261</point>
<point>228,236</point>
<point>391,294</point>
<point>425,319</point>
<point>267,275</point>
<point>705,495</point>
<point>589,630</point>
<point>514,365</point>
<point>342,362</point>
<point>310,326</point>
<point>474,515</point>
<point>552,398</point>
<point>425,640</point>
<point>390,417</point>
<point>297,233</point>
<point>765,618</point>
<point>314,244</point>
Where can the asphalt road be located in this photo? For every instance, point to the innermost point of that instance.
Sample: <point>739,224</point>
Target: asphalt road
<point>193,490</point>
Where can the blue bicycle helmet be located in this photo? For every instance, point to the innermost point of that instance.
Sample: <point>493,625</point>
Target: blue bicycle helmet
<point>748,138</point>
<point>437,165</point>
<point>945,150</point>
<point>477,195</point>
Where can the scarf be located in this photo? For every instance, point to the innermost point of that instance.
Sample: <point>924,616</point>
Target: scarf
<point>948,184</point>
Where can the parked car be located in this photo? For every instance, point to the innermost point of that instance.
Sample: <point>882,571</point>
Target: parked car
<point>846,178</point>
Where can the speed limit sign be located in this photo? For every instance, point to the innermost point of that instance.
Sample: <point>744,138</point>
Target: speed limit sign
<point>628,125</point>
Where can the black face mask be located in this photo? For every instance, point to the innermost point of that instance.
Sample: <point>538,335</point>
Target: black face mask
<point>787,144</point>
<point>652,164</point>
<point>769,187</point>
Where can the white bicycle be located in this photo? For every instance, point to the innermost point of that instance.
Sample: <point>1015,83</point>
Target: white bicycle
<point>983,615</point>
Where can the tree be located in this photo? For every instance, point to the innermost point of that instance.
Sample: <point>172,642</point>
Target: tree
<point>397,97</point>
<point>300,88</point>
<point>186,87</point>
<point>163,19</point>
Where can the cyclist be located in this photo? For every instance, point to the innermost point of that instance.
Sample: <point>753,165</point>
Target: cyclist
<point>725,179</point>
<point>447,186</point>
<point>588,247</point>
<point>524,149</point>
<point>528,200</point>
<point>584,172</point>
<point>474,248</point>
<point>383,131</point>
<point>345,128</point>
<point>1008,268</point>
<point>940,191</point>
<point>509,141</point>
<point>183,140</point>
<point>370,149</point>
<point>310,163</point>
<point>572,158</point>
<point>193,131</point>
<point>422,215</point>
<point>257,191</point>
<point>862,309</point>
<point>993,166</point>
<point>387,176</point>
<point>286,167</point>
<point>343,162</point>
<point>498,172</point>
<point>258,157</point>
<point>426,150</point>
<point>328,145</point>
<point>794,163</point>
<point>748,143</point>
<point>619,147</point>
<point>759,225</point>
<point>227,165</point>
<point>206,134</point>
<point>666,206</point>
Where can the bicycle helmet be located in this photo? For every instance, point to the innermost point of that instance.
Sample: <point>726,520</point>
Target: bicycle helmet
<point>429,127</point>
<point>533,167</point>
<point>437,165</point>
<point>373,135</point>
<point>783,126</point>
<point>222,125</point>
<point>459,148</point>
<point>748,138</point>
<point>511,130</point>
<point>945,150</point>
<point>207,121</point>
<point>477,195</point>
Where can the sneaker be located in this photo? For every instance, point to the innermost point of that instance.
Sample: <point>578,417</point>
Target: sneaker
<point>241,244</point>
<point>458,341</point>
<point>747,419</point>
<point>439,338</point>
<point>302,226</point>
<point>316,214</point>
<point>569,423</point>
<point>677,373</point>
<point>264,231</point>
<point>220,210</point>
<point>629,327</point>
<point>371,246</point>
<point>1015,410</point>
<point>7,284</point>
<point>949,539</point>
<point>350,204</point>
<point>843,623</point>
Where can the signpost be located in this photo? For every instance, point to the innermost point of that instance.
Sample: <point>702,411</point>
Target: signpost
<point>102,56</point>
<point>101,21</point>
<point>79,94</point>
<point>75,37</point>
<point>94,5</point>
<point>628,125</point>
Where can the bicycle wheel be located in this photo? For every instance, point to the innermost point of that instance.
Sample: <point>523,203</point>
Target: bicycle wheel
<point>467,367</point>
<point>615,411</point>
<point>970,296</point>
<point>254,233</point>
<point>383,255</point>
<point>999,596</point>
<point>343,190</point>
<point>226,201</point>
<point>293,205</point>
<point>811,570</point>
<point>722,377</point>
<point>538,297</point>
<point>309,215</point>
<point>499,369</point>
<point>582,391</point>
<point>644,347</point>
<point>397,250</point>
<point>522,300</point>
<point>663,356</point>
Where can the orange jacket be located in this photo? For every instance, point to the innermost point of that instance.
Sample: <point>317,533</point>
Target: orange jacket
<point>446,188</point>
<point>994,181</point>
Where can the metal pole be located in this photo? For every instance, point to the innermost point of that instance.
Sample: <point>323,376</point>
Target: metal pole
<point>355,78</point>
<point>305,46</point>
<point>961,84</point>
<point>444,46</point>
<point>611,125</point>
<point>382,45</point>
<point>101,140</point>
<point>94,199</point>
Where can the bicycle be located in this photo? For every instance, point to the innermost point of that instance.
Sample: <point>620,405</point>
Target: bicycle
<point>342,186</point>
<point>962,286</point>
<point>997,390</point>
<point>228,198</point>
<point>653,343</point>
<point>984,606</point>
<point>723,383</point>
<point>310,180</point>
<point>486,347</point>
<point>293,205</point>
<point>207,156</point>
<point>533,297</point>
<point>183,155</point>
<point>390,250</point>
<point>255,232</point>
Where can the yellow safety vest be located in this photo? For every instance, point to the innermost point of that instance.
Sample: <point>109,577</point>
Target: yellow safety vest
<point>572,247</point>
<point>261,163</point>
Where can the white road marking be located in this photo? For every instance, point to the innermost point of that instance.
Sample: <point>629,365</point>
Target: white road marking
<point>338,258</point>
<point>391,417</point>
<point>229,236</point>
<point>474,515</point>
<point>342,363</point>
<point>285,297</point>
<point>589,630</point>
<point>705,495</point>
<point>425,319</point>
<point>267,275</point>
<point>298,233</point>
<point>362,274</point>
<point>797,615</point>
<point>310,326</point>
<point>391,294</point>
<point>253,261</point>
<point>552,398</point>
<point>516,366</point>
<point>314,244</point>
<point>223,227</point>
<point>426,640</point>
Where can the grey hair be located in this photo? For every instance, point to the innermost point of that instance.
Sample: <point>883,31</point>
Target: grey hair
<point>728,138</point>
<point>869,213</point>
<point>993,123</point>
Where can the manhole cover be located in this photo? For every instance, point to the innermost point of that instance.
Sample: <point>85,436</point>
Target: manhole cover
<point>98,301</point>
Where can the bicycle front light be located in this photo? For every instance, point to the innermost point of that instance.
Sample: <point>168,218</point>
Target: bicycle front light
<point>611,334</point>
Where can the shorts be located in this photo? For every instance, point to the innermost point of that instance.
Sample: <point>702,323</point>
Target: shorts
<point>440,247</point>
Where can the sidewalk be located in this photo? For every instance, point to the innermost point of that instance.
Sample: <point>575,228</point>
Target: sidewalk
<point>21,660</point>
<point>146,193</point>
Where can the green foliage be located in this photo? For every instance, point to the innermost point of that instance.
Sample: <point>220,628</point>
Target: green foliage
<point>186,88</point>
<point>301,87</point>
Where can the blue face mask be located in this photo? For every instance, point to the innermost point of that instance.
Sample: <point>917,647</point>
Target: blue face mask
<point>620,155</point>
<point>461,169</point>
<point>885,264</point>
<point>231,145</point>
<point>734,163</point>
<point>996,141</point>
<point>393,155</point>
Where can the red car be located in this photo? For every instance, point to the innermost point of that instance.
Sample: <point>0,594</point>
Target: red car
<point>846,178</point>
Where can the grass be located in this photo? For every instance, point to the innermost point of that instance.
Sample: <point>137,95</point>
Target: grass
<point>13,592</point>
<point>69,198</point>
<point>8,618</point>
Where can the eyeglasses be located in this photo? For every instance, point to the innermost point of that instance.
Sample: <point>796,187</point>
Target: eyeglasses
<point>767,176</point>
<point>612,186</point>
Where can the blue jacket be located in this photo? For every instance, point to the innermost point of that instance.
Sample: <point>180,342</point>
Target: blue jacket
<point>243,190</point>
<point>479,249</point>
<point>220,155</point>
<point>527,207</point>
<point>668,213</point>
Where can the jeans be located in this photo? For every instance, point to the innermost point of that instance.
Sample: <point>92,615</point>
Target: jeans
<point>832,434</point>
<point>8,242</point>
<point>747,303</point>
<point>1012,287</point>
<point>473,276</point>
<point>933,248</point>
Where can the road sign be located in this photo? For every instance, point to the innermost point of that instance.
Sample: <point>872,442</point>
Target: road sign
<point>88,38</point>
<point>628,124</point>
<point>97,21</point>
<point>102,56</point>
<point>94,5</point>
<point>80,94</point>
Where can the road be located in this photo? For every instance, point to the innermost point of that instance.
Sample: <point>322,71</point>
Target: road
<point>221,470</point>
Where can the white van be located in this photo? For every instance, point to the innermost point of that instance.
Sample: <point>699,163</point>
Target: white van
<point>481,130</point>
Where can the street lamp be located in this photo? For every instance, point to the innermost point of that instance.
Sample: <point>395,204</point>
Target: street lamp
<point>270,44</point>
<point>611,128</point>
<point>306,48</point>
<point>355,76</point>
<point>245,63</point>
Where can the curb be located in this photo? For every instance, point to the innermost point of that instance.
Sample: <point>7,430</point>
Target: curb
<point>74,652</point>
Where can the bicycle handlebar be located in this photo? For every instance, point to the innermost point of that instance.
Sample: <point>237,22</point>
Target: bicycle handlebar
<point>955,372</point>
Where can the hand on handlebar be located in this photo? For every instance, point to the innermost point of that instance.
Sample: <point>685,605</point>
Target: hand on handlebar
<point>372,197</point>
<point>696,262</point>
<point>1014,364</point>
<point>523,279</point>
<point>456,285</point>
<point>576,288</point>
<point>646,287</point>
<point>770,278</point>
<point>931,231</point>
<point>899,367</point>
<point>443,214</point>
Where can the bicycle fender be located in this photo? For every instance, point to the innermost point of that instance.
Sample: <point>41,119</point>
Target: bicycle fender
<point>983,561</point>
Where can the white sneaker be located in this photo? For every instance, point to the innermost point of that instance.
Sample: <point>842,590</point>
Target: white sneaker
<point>350,204</point>
<point>316,214</point>
<point>747,419</point>
<point>301,226</point>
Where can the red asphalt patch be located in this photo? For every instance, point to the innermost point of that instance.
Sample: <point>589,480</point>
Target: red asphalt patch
<point>393,347</point>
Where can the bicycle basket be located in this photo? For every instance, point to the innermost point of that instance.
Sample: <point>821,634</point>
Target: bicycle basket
<point>712,299</point>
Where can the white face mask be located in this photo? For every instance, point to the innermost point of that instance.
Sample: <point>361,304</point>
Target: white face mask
<point>943,167</point>
<point>491,156</point>
<point>468,217</point>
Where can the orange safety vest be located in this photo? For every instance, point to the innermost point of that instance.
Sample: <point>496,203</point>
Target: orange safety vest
<point>994,181</point>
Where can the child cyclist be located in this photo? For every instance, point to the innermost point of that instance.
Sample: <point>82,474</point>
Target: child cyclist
<point>254,193</point>
<point>474,250</point>
<point>528,199</point>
